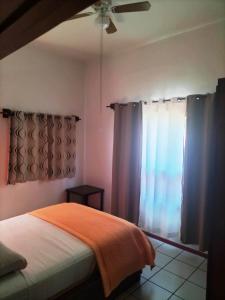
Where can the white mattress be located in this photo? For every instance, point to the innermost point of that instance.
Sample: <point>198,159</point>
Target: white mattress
<point>56,259</point>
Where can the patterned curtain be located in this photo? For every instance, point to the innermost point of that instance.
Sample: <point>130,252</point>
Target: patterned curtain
<point>41,147</point>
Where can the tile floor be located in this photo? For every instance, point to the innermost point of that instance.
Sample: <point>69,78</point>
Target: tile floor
<point>178,275</point>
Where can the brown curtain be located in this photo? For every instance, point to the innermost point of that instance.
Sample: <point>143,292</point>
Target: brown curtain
<point>41,147</point>
<point>126,174</point>
<point>197,166</point>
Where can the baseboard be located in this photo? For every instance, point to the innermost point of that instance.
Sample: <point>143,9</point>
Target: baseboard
<point>181,246</point>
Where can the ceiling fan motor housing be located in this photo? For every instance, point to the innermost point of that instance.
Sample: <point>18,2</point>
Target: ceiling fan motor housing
<point>104,11</point>
<point>102,7</point>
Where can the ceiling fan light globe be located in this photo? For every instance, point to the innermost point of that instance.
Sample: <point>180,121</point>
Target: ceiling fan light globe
<point>103,21</point>
<point>106,25</point>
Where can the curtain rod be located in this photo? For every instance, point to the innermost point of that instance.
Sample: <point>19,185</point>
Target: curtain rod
<point>112,105</point>
<point>7,113</point>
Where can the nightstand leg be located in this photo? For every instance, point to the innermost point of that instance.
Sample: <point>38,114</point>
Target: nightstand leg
<point>101,201</point>
<point>86,200</point>
<point>67,196</point>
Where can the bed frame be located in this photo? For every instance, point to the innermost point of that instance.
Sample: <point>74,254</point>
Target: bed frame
<point>93,289</point>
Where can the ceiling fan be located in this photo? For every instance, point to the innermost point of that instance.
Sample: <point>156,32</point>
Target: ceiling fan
<point>103,9</point>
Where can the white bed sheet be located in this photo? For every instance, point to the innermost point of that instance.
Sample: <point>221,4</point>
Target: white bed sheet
<point>56,259</point>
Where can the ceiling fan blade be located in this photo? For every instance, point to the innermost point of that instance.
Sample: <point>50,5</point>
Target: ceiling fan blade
<point>112,28</point>
<point>78,16</point>
<point>132,7</point>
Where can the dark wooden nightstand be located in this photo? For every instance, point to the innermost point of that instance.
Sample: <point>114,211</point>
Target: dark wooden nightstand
<point>84,191</point>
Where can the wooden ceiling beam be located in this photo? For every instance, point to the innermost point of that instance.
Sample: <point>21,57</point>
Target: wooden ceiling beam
<point>22,21</point>
<point>7,8</point>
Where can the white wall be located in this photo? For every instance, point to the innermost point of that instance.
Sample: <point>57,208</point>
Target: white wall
<point>36,80</point>
<point>178,66</point>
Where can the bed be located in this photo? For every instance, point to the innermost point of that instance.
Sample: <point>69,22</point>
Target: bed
<point>59,264</point>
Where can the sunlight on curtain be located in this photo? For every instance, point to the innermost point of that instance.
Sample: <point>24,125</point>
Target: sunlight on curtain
<point>162,167</point>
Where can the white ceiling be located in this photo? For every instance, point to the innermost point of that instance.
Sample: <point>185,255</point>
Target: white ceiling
<point>81,37</point>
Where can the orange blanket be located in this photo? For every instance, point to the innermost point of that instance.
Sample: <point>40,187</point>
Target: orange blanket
<point>121,248</point>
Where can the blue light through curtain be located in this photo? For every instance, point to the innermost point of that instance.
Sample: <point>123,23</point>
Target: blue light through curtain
<point>162,167</point>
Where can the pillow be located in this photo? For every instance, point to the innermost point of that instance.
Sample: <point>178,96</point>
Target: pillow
<point>10,261</point>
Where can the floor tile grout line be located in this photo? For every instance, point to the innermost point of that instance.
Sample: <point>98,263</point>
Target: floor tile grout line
<point>167,271</point>
<point>196,284</point>
<point>175,274</point>
<point>187,246</point>
<point>201,265</point>
<point>175,258</point>
<point>141,284</point>
<point>135,289</point>
<point>175,289</point>
<point>154,273</point>
<point>185,279</point>
<point>163,268</point>
<point>167,254</point>
<point>171,247</point>
<point>174,293</point>
<point>156,247</point>
<point>179,255</point>
<point>198,268</point>
<point>161,287</point>
<point>188,263</point>
<point>160,268</point>
<point>176,296</point>
<point>192,273</point>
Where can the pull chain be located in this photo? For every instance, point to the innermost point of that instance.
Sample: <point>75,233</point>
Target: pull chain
<point>101,70</point>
